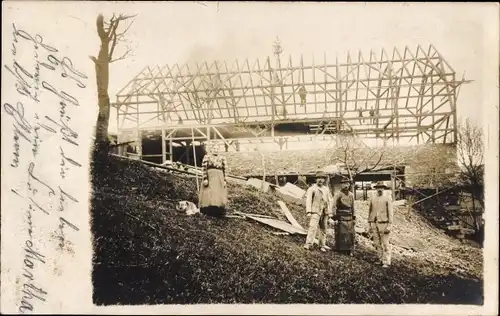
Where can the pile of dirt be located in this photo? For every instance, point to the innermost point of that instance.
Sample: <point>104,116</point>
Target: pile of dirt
<point>146,254</point>
<point>415,237</point>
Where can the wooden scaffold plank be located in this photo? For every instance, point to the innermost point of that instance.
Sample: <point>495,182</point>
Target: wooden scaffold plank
<point>289,215</point>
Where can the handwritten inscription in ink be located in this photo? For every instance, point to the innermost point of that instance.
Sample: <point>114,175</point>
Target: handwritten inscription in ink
<point>46,85</point>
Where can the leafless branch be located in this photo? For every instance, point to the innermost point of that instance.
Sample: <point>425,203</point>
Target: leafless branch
<point>124,17</point>
<point>378,162</point>
<point>125,55</point>
<point>112,25</point>
<point>120,35</point>
<point>356,156</point>
<point>470,152</point>
<point>112,50</point>
<point>109,33</point>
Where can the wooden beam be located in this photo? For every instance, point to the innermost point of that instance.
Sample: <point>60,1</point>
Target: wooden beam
<point>150,86</point>
<point>253,89</point>
<point>232,98</point>
<point>344,65</point>
<point>349,82</point>
<point>357,84</point>
<point>279,225</point>
<point>289,215</point>
<point>294,87</point>
<point>163,147</point>
<point>241,82</point>
<point>261,75</point>
<point>195,95</point>
<point>314,84</point>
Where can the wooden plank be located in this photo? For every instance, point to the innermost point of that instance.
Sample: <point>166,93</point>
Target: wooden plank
<point>399,203</point>
<point>255,215</point>
<point>289,215</point>
<point>288,197</point>
<point>279,225</point>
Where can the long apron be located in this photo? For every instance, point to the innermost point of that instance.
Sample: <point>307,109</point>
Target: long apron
<point>215,194</point>
<point>344,231</point>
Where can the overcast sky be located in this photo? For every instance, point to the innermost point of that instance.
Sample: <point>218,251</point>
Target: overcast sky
<point>167,33</point>
<point>237,31</point>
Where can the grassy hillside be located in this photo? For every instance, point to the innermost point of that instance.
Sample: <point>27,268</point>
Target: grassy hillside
<point>146,254</point>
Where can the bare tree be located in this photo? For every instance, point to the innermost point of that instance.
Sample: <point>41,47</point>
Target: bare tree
<point>263,162</point>
<point>260,130</point>
<point>357,157</point>
<point>431,166</point>
<point>470,155</point>
<point>110,37</point>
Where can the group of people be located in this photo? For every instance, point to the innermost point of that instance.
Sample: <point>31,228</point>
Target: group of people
<point>371,113</point>
<point>322,209</point>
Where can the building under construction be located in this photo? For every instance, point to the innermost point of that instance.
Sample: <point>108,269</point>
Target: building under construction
<point>400,95</point>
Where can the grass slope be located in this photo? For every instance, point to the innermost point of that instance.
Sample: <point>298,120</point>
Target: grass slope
<point>145,254</point>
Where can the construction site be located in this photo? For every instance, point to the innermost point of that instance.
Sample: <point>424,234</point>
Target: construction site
<point>401,95</point>
<point>387,116</point>
<point>279,119</point>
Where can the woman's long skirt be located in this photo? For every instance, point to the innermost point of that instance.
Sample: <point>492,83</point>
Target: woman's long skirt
<point>345,234</point>
<point>213,198</point>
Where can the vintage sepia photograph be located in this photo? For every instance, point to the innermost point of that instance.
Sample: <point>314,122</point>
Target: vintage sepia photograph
<point>298,172</point>
<point>253,153</point>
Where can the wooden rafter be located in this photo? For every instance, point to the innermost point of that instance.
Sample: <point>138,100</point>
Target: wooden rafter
<point>246,91</point>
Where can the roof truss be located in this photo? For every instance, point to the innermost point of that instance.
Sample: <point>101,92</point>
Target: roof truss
<point>403,93</point>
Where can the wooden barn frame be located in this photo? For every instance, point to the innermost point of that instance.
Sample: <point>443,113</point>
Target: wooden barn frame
<point>403,94</point>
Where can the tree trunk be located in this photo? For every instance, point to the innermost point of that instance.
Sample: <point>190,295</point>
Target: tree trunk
<point>473,199</point>
<point>102,80</point>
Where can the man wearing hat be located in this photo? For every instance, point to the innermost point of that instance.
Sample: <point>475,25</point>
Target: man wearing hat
<point>380,219</point>
<point>319,210</point>
<point>343,210</point>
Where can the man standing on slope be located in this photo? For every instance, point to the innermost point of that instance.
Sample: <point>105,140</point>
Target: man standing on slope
<point>380,219</point>
<point>319,210</point>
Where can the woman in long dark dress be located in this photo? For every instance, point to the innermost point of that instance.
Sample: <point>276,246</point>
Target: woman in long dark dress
<point>213,191</point>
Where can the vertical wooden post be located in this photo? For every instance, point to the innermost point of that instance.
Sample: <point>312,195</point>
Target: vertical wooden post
<point>273,104</point>
<point>326,80</point>
<point>314,85</point>
<point>171,148</point>
<point>338,87</point>
<point>454,109</point>
<point>195,163</point>
<point>433,132</point>
<point>139,134</point>
<point>163,147</point>
<point>118,140</point>
<point>186,150</point>
<point>393,186</point>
